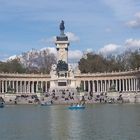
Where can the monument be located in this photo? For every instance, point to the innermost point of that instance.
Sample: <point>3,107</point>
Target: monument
<point>62,74</point>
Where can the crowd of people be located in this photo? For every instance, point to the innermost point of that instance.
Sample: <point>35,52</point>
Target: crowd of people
<point>65,97</point>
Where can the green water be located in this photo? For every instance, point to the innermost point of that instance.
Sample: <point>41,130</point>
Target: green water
<point>96,122</point>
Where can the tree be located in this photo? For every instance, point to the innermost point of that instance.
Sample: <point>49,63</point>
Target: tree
<point>38,61</point>
<point>12,66</point>
<point>99,63</point>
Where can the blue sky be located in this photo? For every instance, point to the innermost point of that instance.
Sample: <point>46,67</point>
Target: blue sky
<point>107,26</point>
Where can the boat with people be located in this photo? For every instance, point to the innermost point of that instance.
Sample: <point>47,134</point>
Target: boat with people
<point>2,103</point>
<point>76,106</point>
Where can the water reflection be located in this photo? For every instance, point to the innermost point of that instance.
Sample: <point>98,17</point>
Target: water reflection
<point>66,124</point>
<point>107,122</point>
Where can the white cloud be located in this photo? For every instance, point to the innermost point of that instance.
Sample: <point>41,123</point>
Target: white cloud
<point>74,55</point>
<point>72,37</point>
<point>52,50</point>
<point>109,49</point>
<point>48,40</point>
<point>134,23</point>
<point>12,57</point>
<point>112,48</point>
<point>132,43</point>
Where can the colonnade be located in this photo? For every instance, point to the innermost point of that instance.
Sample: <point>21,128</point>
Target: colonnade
<point>120,85</point>
<point>97,83</point>
<point>17,86</point>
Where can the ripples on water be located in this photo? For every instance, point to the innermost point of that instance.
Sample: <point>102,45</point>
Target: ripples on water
<point>96,122</point>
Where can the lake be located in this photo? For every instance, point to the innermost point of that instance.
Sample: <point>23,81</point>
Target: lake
<point>96,122</point>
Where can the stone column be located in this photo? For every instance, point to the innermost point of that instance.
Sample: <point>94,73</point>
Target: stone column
<point>98,86</point>
<point>32,87</point>
<point>131,84</point>
<point>13,86</point>
<point>25,87</point>
<point>120,85</point>
<point>134,84</point>
<point>116,85</point>
<point>20,87</point>
<point>123,84</point>
<point>16,86</point>
<point>105,86</point>
<point>84,85</point>
<point>93,85</point>
<point>29,85</point>
<point>109,85</point>
<point>2,86</point>
<point>36,86</point>
<point>41,82</point>
<point>46,86</point>
<point>89,86</point>
<point>113,82</point>
<point>101,86</point>
<point>126,82</point>
<point>5,86</point>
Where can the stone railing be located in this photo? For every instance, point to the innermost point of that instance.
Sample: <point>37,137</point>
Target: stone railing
<point>32,75</point>
<point>113,73</point>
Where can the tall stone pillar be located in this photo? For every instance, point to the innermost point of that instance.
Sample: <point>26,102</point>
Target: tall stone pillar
<point>32,87</point>
<point>105,86</point>
<point>116,85</point>
<point>123,85</point>
<point>101,86</point>
<point>5,86</point>
<point>2,86</point>
<point>13,85</point>
<point>41,82</point>
<point>98,86</point>
<point>131,84</point>
<point>136,84</point>
<point>25,91</point>
<point>36,86</point>
<point>46,86</point>
<point>29,87</point>
<point>109,85</point>
<point>20,86</point>
<point>84,85</point>
<point>93,86</point>
<point>89,86</point>
<point>16,86</point>
<point>120,85</point>
<point>126,84</point>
